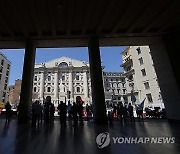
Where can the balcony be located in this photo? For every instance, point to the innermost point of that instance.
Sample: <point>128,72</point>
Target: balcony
<point>126,73</point>
<point>126,63</point>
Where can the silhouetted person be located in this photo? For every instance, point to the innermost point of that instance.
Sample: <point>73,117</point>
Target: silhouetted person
<point>125,111</point>
<point>69,110</point>
<point>80,112</point>
<point>131,114</point>
<point>62,111</point>
<point>39,112</point>
<point>74,111</point>
<point>139,112</point>
<point>114,111</point>
<point>47,107</point>
<point>120,112</point>
<point>110,117</point>
<point>8,111</point>
<point>52,110</point>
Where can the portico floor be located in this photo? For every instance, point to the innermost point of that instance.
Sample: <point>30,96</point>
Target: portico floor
<point>50,138</point>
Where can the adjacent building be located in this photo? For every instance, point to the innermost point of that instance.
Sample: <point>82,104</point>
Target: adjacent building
<point>114,87</point>
<point>4,76</point>
<point>141,79</point>
<point>13,92</point>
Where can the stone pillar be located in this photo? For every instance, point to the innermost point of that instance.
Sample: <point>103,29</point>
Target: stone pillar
<point>85,85</point>
<point>166,74</point>
<point>42,86</point>
<point>71,84</point>
<point>56,84</point>
<point>98,99</point>
<point>27,82</point>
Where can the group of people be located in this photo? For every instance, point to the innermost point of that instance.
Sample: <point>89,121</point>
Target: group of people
<point>125,112</point>
<point>42,111</point>
<point>74,111</point>
<point>47,110</point>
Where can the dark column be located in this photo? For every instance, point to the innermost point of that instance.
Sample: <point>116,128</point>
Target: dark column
<point>165,54</point>
<point>27,82</point>
<point>98,99</point>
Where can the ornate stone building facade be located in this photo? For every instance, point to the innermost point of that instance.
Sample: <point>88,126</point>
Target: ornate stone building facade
<point>114,87</point>
<point>63,79</point>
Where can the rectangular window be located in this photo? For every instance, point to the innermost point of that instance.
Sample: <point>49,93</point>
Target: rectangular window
<point>35,78</point>
<point>1,69</point>
<point>78,89</point>
<point>149,97</point>
<point>143,72</point>
<point>49,89</point>
<point>138,50</point>
<point>146,85</point>
<point>141,61</point>
<point>6,80</point>
<point>63,78</point>
<point>8,66</point>
<point>34,89</point>
<point>5,86</point>
<point>2,62</point>
<point>7,73</point>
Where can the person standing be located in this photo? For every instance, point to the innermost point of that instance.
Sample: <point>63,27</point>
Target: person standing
<point>8,111</point>
<point>52,110</point>
<point>80,112</point>
<point>131,114</point>
<point>120,112</point>
<point>74,113</point>
<point>47,107</point>
<point>62,111</point>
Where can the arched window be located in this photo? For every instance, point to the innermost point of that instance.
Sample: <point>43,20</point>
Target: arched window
<point>77,77</point>
<point>63,64</point>
<point>49,78</point>
<point>78,89</point>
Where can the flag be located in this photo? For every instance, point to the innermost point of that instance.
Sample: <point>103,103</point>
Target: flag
<point>142,103</point>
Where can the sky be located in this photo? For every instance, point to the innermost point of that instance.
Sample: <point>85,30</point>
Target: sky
<point>110,57</point>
